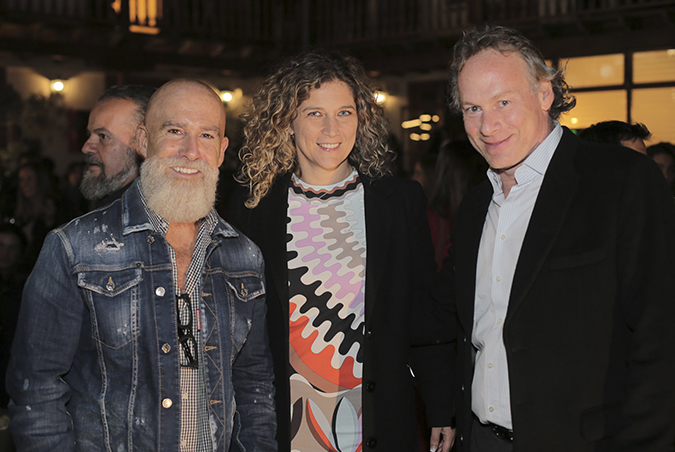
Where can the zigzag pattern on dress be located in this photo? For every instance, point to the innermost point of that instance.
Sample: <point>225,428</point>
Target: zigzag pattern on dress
<point>327,253</point>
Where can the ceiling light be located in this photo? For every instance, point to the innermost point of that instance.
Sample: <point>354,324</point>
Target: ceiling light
<point>57,85</point>
<point>380,97</point>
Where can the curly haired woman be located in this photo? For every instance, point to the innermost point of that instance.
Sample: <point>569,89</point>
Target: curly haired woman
<point>349,263</point>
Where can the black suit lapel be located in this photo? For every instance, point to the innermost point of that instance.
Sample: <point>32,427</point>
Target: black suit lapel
<point>550,209</point>
<point>379,220</point>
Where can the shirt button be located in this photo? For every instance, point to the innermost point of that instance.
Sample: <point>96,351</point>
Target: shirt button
<point>166,403</point>
<point>491,409</point>
<point>160,291</point>
<point>499,279</point>
<point>489,365</point>
<point>370,386</point>
<point>185,396</point>
<point>166,348</point>
<point>183,443</point>
<point>500,321</point>
<point>503,237</point>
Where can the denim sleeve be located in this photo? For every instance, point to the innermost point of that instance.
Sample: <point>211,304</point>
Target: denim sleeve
<point>43,349</point>
<point>252,378</point>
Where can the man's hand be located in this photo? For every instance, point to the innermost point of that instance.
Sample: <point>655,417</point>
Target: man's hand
<point>442,439</point>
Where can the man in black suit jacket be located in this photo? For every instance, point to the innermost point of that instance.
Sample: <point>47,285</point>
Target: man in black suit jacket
<point>562,270</point>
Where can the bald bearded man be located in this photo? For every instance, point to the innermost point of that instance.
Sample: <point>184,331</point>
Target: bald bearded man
<point>143,323</point>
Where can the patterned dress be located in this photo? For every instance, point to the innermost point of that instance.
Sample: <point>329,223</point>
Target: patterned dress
<point>326,264</point>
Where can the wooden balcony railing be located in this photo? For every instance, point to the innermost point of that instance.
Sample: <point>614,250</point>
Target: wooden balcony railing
<point>353,20</point>
<point>215,19</point>
<point>320,22</point>
<point>63,11</point>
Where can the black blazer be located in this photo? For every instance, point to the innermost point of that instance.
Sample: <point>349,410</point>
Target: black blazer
<point>590,327</point>
<point>402,328</point>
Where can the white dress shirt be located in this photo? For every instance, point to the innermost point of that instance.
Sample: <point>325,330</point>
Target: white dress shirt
<point>503,233</point>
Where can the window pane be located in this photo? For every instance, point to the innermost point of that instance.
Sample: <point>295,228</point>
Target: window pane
<point>655,107</point>
<point>601,70</point>
<point>594,107</point>
<point>657,66</point>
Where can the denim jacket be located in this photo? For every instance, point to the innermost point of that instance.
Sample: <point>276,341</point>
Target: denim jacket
<point>95,362</point>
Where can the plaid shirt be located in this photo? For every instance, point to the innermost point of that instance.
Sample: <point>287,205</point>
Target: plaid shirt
<point>195,433</point>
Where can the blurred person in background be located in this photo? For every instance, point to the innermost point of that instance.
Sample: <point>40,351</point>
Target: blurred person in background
<point>446,177</point>
<point>423,172</point>
<point>13,275</point>
<point>35,211</point>
<point>111,150</point>
<point>7,195</point>
<point>458,168</point>
<point>664,155</point>
<point>619,133</point>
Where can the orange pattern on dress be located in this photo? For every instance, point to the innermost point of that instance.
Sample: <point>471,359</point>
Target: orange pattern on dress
<point>321,362</point>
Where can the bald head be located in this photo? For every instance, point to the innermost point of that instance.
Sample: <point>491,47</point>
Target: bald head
<point>186,94</point>
<point>183,112</point>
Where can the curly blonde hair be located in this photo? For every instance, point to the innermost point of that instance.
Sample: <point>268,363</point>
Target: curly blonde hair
<point>269,150</point>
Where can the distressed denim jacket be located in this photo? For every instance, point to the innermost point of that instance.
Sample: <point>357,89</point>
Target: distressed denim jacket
<point>95,362</point>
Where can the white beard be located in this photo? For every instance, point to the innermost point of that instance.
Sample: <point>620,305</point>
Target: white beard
<point>178,200</point>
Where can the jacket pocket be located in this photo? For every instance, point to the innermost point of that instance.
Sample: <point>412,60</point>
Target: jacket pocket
<point>599,423</point>
<point>113,296</point>
<point>243,288</point>
<point>577,260</point>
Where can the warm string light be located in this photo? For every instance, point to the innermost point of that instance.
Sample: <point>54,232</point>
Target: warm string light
<point>423,123</point>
